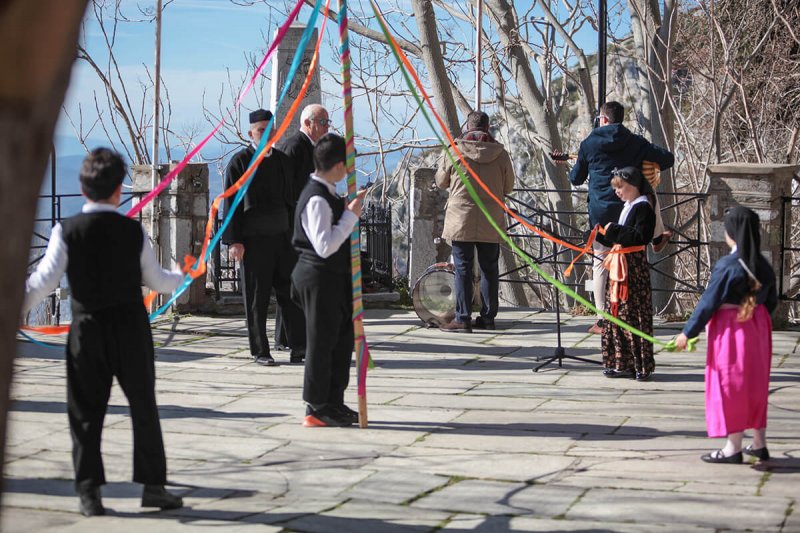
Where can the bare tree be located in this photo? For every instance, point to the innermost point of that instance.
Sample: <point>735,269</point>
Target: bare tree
<point>121,109</point>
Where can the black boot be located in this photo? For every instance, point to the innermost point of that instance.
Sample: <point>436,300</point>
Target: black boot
<point>91,503</point>
<point>158,496</point>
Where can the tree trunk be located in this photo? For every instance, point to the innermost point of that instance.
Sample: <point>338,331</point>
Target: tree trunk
<point>38,45</point>
<point>653,34</point>
<point>434,63</point>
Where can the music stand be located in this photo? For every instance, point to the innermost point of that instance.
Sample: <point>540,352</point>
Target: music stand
<point>560,353</point>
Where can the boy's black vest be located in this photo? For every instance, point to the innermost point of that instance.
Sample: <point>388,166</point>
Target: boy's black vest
<point>340,260</point>
<point>104,260</point>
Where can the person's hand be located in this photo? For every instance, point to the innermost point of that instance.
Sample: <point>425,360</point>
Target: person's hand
<point>665,237</point>
<point>680,342</point>
<point>356,203</point>
<point>559,158</point>
<point>605,228</point>
<point>236,251</point>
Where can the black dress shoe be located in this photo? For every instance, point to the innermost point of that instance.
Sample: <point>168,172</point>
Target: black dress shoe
<point>761,453</point>
<point>91,503</point>
<point>158,496</point>
<point>643,376</point>
<point>265,360</point>
<point>484,323</point>
<point>614,373</point>
<point>718,457</point>
<point>297,357</point>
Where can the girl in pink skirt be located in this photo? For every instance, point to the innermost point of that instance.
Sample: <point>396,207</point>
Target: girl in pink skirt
<point>736,305</point>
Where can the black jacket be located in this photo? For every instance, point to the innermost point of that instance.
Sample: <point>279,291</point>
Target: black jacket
<point>606,148</point>
<point>264,210</point>
<point>300,155</point>
<point>638,227</point>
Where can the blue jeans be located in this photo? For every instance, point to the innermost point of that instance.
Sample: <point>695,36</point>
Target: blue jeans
<point>463,259</point>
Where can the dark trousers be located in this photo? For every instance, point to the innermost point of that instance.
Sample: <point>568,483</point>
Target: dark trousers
<point>327,302</point>
<point>113,342</point>
<point>267,265</point>
<point>463,260</point>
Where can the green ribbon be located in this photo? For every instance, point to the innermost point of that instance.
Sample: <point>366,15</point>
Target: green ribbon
<point>690,345</point>
<point>474,195</point>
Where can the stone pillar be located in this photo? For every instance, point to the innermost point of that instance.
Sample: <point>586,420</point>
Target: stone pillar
<point>181,214</point>
<point>281,63</point>
<point>759,187</point>
<point>427,222</point>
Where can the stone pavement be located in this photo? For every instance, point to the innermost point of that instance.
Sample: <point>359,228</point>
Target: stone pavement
<point>463,436</point>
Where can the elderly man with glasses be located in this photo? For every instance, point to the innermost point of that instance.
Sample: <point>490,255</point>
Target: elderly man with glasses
<point>299,149</point>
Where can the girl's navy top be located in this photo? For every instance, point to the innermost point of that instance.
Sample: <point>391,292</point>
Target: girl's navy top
<point>729,284</point>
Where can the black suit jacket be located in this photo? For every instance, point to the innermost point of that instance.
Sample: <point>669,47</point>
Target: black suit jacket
<point>300,154</point>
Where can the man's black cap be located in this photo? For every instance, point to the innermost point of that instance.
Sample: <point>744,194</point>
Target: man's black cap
<point>260,115</point>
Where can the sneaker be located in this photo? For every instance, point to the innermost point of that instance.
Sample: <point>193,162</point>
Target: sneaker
<point>346,413</point>
<point>597,328</point>
<point>158,496</point>
<point>264,360</point>
<point>484,323</point>
<point>325,417</point>
<point>457,327</point>
<point>91,502</point>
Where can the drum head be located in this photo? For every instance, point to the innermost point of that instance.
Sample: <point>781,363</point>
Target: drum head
<point>434,296</point>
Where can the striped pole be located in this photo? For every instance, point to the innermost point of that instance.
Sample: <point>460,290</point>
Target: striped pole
<point>361,348</point>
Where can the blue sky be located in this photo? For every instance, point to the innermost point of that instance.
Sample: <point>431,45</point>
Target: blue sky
<point>205,41</point>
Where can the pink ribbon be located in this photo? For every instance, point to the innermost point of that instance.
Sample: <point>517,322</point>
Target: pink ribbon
<point>185,161</point>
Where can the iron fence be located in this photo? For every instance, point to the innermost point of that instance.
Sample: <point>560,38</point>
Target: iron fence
<point>376,255</point>
<point>688,248</point>
<point>789,248</point>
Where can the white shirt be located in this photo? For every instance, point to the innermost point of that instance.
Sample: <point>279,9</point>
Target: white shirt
<point>317,220</point>
<point>626,210</point>
<point>54,263</point>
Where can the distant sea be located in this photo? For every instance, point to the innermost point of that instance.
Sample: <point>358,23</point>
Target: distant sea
<point>69,156</point>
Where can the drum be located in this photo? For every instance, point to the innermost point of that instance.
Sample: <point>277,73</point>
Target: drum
<point>434,295</point>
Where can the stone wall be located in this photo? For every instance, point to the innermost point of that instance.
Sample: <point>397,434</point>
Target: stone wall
<point>181,214</point>
<point>281,63</point>
<point>759,187</point>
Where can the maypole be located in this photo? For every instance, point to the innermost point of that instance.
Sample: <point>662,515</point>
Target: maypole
<point>361,348</point>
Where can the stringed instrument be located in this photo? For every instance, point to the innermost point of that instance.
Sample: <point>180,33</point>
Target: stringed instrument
<point>650,170</point>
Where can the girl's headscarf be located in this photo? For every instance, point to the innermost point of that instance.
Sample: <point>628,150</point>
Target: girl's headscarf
<point>743,226</point>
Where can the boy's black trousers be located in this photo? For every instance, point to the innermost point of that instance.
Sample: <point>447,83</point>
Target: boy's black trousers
<point>116,341</point>
<point>327,302</point>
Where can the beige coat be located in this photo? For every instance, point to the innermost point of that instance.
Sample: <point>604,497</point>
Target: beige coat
<point>463,219</point>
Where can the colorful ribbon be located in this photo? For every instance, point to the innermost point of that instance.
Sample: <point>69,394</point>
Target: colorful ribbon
<point>361,346</point>
<point>243,183</point>
<point>407,69</point>
<point>180,166</point>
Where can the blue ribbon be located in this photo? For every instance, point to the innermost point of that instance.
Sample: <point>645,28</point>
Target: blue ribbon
<point>237,199</point>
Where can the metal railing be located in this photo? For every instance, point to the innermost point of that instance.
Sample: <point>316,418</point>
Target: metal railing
<point>376,254</point>
<point>789,249</point>
<point>572,226</point>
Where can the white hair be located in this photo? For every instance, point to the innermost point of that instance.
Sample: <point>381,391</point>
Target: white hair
<point>308,113</point>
